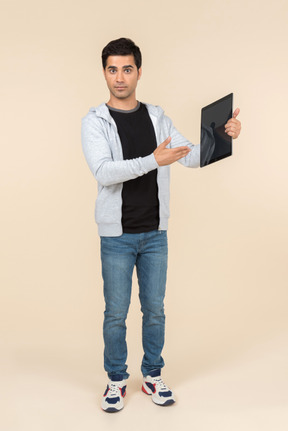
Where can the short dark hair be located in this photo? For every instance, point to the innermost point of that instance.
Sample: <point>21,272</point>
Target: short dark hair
<point>122,46</point>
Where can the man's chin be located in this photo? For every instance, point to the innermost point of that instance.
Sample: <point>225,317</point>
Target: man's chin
<point>121,95</point>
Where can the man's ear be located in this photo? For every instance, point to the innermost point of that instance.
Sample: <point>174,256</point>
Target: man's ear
<point>104,73</point>
<point>139,72</point>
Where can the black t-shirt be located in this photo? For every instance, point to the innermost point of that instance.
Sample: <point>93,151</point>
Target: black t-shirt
<point>140,204</point>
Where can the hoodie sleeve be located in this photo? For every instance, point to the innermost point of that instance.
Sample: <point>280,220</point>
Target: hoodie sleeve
<point>98,155</point>
<point>192,160</point>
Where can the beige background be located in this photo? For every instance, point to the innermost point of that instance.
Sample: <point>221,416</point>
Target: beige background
<point>227,325</point>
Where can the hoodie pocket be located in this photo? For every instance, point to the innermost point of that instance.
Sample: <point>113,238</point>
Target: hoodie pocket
<point>108,206</point>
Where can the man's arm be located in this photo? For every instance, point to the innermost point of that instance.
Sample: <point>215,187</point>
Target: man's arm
<point>98,155</point>
<point>108,171</point>
<point>192,157</point>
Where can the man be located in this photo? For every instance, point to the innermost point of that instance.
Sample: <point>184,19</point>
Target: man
<point>129,147</point>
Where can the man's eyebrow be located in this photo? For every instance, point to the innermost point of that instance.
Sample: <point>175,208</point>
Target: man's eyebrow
<point>124,67</point>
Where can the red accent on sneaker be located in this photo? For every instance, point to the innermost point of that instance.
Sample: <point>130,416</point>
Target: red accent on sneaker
<point>153,391</point>
<point>143,389</point>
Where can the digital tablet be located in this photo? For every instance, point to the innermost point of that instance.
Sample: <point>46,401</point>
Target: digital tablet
<point>215,143</point>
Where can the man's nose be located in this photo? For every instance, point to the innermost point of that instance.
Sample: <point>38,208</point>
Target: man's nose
<point>119,76</point>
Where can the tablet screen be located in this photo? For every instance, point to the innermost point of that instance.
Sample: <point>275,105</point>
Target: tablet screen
<point>215,143</point>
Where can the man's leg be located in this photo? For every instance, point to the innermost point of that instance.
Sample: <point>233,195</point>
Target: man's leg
<point>118,256</point>
<point>151,271</point>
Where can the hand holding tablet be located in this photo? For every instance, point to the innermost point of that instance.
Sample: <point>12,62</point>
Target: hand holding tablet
<point>217,130</point>
<point>233,126</point>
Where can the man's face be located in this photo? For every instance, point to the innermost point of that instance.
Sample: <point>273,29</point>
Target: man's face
<point>122,76</point>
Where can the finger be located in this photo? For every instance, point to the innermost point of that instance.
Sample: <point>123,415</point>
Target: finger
<point>165,143</point>
<point>233,135</point>
<point>233,121</point>
<point>233,131</point>
<point>180,155</point>
<point>181,150</point>
<point>236,112</point>
<point>167,140</point>
<point>183,153</point>
<point>231,128</point>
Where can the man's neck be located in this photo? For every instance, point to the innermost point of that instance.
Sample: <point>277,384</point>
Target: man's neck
<point>123,104</point>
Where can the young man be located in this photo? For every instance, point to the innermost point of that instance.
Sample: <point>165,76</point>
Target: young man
<point>129,147</point>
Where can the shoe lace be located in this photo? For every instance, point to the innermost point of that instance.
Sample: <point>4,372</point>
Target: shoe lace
<point>114,389</point>
<point>161,386</point>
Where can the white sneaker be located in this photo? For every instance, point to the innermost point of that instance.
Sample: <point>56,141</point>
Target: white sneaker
<point>112,400</point>
<point>154,385</point>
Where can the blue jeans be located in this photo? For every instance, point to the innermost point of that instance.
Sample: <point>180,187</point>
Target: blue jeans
<point>148,252</point>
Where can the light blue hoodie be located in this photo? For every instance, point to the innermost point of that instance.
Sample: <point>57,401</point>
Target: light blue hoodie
<point>103,152</point>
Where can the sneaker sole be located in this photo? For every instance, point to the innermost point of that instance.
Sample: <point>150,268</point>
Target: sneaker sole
<point>112,410</point>
<point>167,403</point>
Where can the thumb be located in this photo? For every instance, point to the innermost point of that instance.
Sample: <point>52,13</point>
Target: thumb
<point>166,142</point>
<point>236,112</point>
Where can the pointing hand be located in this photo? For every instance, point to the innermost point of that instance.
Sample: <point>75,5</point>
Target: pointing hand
<point>166,156</point>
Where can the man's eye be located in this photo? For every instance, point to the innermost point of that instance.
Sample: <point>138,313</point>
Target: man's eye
<point>112,70</point>
<point>127,70</point>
